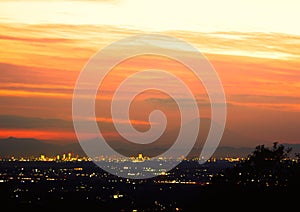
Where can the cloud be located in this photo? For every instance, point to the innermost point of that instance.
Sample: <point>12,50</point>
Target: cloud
<point>21,122</point>
<point>169,102</point>
<point>249,44</point>
<point>121,121</point>
<point>276,99</point>
<point>31,81</point>
<point>31,40</point>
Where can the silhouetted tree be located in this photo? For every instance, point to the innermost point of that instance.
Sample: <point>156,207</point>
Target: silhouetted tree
<point>265,169</point>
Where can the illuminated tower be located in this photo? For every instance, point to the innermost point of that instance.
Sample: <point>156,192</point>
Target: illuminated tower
<point>42,158</point>
<point>140,157</point>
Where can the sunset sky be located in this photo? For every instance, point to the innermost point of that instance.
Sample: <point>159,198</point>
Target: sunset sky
<point>254,47</point>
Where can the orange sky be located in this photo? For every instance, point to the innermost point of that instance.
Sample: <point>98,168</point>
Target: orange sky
<point>41,60</point>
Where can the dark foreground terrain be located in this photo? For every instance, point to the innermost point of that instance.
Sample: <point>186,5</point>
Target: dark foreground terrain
<point>267,178</point>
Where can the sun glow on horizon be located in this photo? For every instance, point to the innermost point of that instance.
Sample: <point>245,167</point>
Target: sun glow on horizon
<point>191,15</point>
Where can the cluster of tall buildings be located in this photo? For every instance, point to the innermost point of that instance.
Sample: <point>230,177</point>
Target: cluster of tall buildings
<point>64,157</point>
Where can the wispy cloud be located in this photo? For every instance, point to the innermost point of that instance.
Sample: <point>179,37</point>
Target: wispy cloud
<point>32,40</point>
